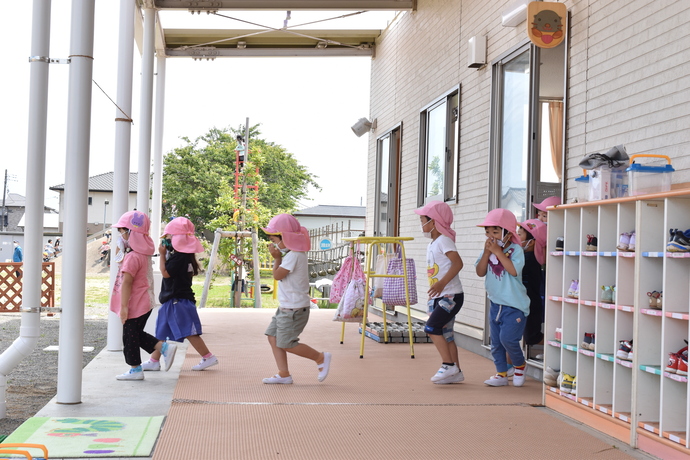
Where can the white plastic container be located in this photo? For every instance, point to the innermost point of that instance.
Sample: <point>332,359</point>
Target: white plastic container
<point>582,183</point>
<point>643,179</point>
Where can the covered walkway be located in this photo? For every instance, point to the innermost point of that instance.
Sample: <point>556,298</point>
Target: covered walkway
<point>382,406</point>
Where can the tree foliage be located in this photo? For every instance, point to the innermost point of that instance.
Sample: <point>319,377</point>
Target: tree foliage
<point>199,180</point>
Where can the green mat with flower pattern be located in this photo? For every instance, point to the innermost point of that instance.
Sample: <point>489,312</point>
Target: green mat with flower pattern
<point>77,437</point>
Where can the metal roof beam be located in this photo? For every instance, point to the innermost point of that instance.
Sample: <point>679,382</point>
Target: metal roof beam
<point>315,5</point>
<point>268,52</point>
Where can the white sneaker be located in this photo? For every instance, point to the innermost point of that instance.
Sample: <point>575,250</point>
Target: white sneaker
<point>456,378</point>
<point>204,363</point>
<point>445,372</point>
<point>134,373</point>
<point>324,366</point>
<point>278,379</point>
<point>168,351</point>
<point>151,365</point>
<point>511,372</point>
<point>497,381</point>
<point>519,377</point>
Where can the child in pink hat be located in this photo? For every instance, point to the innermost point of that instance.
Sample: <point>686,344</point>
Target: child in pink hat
<point>532,233</point>
<point>130,299</point>
<point>290,243</point>
<point>445,289</point>
<point>178,317</point>
<point>501,265</point>
<point>542,212</point>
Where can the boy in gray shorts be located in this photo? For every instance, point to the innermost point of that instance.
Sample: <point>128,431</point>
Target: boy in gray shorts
<point>290,243</point>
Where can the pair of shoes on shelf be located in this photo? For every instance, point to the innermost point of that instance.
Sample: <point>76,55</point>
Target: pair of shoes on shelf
<point>588,341</point>
<point>574,290</point>
<point>551,376</point>
<point>679,241</point>
<point>592,243</point>
<point>568,383</point>
<point>626,242</point>
<point>625,351</point>
<point>655,299</point>
<point>607,294</point>
<point>559,243</point>
<point>678,361</point>
<point>558,334</point>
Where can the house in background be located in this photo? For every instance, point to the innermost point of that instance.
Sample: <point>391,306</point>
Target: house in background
<point>320,216</point>
<point>14,230</point>
<point>100,197</point>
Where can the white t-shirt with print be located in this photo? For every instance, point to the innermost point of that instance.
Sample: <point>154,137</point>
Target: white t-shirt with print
<point>293,290</point>
<point>438,264</point>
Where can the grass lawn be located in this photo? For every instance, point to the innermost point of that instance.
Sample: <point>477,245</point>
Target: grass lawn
<point>98,292</point>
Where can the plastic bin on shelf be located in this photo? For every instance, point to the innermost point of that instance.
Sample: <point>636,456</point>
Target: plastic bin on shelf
<point>644,179</point>
<point>606,182</point>
<point>582,183</point>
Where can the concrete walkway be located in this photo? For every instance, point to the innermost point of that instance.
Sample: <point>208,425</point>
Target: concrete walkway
<point>382,406</point>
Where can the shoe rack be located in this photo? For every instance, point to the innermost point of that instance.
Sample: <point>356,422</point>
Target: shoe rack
<point>633,399</point>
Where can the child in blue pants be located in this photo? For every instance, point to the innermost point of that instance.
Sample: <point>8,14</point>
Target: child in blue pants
<point>501,265</point>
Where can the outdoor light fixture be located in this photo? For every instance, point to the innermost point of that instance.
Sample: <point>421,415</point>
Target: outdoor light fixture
<point>241,45</point>
<point>515,14</point>
<point>362,126</point>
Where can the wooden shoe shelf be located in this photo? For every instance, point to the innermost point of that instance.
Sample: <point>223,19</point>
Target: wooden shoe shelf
<point>634,399</point>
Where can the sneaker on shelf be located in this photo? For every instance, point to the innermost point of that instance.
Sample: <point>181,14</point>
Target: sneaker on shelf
<point>606,294</point>
<point>574,290</point>
<point>613,294</point>
<point>134,373</point>
<point>550,381</point>
<point>205,363</point>
<point>573,390</point>
<point>654,300</point>
<point>566,385</point>
<point>445,372</point>
<point>587,341</point>
<point>497,381</point>
<point>625,350</point>
<point>519,377</point>
<point>592,243</point>
<point>623,242</point>
<point>672,363</point>
<point>658,300</point>
<point>559,243</point>
<point>551,372</point>
<point>277,379</point>
<point>151,365</point>
<point>558,334</point>
<point>631,244</point>
<point>680,242</point>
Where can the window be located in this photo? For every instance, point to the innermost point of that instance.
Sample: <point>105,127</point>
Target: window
<point>387,201</point>
<point>439,145</point>
<point>90,201</point>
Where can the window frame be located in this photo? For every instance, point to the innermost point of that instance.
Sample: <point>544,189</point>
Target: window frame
<point>394,136</point>
<point>451,164</point>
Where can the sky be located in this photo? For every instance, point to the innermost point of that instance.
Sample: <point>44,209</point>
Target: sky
<point>306,105</point>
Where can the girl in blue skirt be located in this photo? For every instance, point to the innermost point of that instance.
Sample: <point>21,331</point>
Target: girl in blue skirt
<point>177,317</point>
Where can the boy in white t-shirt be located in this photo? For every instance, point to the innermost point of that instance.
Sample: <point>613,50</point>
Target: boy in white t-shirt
<point>290,243</point>
<point>445,289</point>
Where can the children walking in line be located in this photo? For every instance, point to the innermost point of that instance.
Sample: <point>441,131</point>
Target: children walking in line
<point>445,289</point>
<point>532,233</point>
<point>130,299</point>
<point>290,243</point>
<point>178,318</point>
<point>501,264</point>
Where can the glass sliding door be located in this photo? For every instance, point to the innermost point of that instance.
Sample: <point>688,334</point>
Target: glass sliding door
<point>387,184</point>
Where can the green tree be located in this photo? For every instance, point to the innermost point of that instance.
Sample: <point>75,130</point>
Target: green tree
<point>199,179</point>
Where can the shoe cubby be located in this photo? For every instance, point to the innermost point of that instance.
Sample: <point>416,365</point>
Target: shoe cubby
<point>644,396</point>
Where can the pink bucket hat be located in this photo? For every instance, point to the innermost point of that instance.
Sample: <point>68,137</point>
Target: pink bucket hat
<point>442,215</point>
<point>537,229</point>
<point>295,237</point>
<point>504,219</point>
<point>550,201</point>
<point>181,230</point>
<point>138,223</point>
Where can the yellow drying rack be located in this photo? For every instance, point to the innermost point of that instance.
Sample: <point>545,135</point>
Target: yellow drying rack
<point>372,243</point>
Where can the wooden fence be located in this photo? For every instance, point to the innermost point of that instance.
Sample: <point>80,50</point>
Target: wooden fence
<point>11,285</point>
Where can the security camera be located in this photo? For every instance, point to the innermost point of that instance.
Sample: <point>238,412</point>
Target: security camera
<point>362,126</point>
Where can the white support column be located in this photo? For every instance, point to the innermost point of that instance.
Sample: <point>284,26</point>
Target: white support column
<point>35,175</point>
<point>157,203</point>
<point>77,176</point>
<point>123,137</point>
<point>146,109</point>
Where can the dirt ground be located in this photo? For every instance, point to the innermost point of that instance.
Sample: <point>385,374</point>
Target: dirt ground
<point>33,383</point>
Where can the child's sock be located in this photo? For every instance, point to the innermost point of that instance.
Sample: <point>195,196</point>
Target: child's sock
<point>449,364</point>
<point>502,374</point>
<point>207,356</point>
<point>521,368</point>
<point>154,360</point>
<point>510,365</point>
